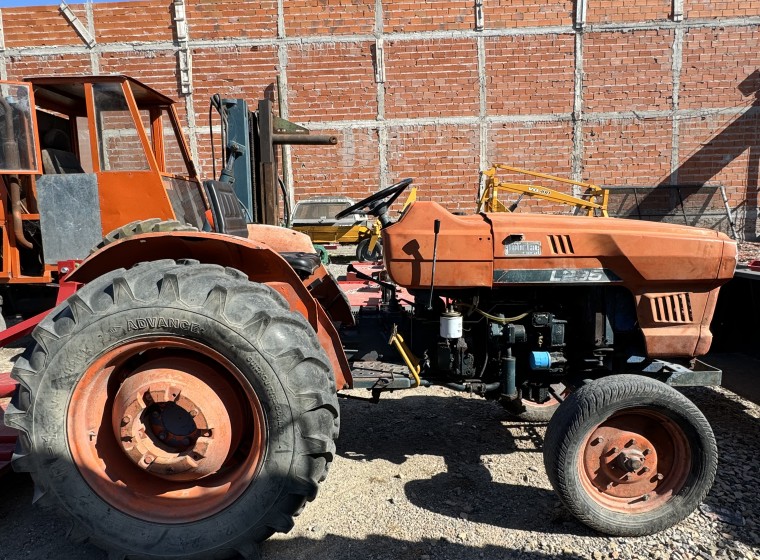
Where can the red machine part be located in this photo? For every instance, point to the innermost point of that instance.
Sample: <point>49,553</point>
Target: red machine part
<point>179,417</point>
<point>363,293</point>
<point>635,461</point>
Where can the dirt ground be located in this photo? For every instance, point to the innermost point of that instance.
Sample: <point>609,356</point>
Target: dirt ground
<point>432,474</point>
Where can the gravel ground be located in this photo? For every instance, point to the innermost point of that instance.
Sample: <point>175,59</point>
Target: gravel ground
<point>430,474</point>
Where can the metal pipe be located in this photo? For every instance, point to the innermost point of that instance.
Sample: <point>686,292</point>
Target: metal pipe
<point>10,150</point>
<point>436,231</point>
<point>508,375</point>
<point>320,139</point>
<point>18,223</point>
<point>476,387</point>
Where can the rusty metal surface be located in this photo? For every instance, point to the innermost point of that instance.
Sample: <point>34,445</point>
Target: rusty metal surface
<point>257,260</point>
<point>652,260</point>
<point>116,443</point>
<point>635,461</point>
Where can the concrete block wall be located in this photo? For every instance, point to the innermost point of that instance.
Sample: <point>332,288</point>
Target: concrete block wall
<point>649,93</point>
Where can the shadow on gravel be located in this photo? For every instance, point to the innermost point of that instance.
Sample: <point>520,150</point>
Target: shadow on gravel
<point>379,547</point>
<point>463,432</point>
<point>735,490</point>
<point>30,532</point>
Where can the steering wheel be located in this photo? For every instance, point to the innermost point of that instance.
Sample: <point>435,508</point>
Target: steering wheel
<point>377,204</point>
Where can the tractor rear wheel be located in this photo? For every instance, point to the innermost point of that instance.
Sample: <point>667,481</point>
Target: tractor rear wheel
<point>629,455</point>
<point>153,225</point>
<point>175,410</point>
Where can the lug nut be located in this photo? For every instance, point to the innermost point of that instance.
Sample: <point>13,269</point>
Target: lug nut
<point>645,497</point>
<point>193,413</point>
<point>149,459</point>
<point>659,476</point>
<point>162,436</point>
<point>597,441</point>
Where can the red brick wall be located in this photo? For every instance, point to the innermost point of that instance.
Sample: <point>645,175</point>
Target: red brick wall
<point>720,67</point>
<point>329,17</point>
<point>331,82</point>
<point>215,19</point>
<point>442,159</point>
<point>349,170</point>
<point>507,13</point>
<point>628,71</point>
<point>530,74</point>
<point>623,152</point>
<point>441,97</point>
<point>411,15</point>
<point>133,21</point>
<point>431,79</point>
<point>20,67</point>
<point>615,11</point>
<point>22,28</point>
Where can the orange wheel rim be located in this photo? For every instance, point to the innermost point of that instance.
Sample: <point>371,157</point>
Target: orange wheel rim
<point>166,429</point>
<point>635,461</point>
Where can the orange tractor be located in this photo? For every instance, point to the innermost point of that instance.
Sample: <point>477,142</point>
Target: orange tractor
<point>181,400</point>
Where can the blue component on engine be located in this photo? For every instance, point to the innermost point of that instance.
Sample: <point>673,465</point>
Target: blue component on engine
<point>540,360</point>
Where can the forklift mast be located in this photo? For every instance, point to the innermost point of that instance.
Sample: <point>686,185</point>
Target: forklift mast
<point>251,159</point>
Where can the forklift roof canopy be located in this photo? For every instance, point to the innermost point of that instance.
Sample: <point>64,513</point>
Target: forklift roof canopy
<point>68,91</point>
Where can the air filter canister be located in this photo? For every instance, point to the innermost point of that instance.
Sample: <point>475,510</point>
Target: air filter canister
<point>451,325</point>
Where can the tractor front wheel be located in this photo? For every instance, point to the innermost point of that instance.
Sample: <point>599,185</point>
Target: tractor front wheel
<point>175,410</point>
<point>629,455</point>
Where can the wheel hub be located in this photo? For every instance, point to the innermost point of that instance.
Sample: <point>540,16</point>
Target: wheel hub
<point>634,461</point>
<point>170,423</point>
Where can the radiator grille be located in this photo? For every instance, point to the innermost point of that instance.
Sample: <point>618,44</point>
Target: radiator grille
<point>561,244</point>
<point>673,308</point>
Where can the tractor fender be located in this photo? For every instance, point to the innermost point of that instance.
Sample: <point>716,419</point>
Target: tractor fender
<point>254,258</point>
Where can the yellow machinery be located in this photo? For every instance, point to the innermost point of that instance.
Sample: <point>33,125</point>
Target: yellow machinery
<point>315,218</point>
<point>593,202</point>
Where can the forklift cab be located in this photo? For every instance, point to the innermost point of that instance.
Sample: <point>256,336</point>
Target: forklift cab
<point>93,153</point>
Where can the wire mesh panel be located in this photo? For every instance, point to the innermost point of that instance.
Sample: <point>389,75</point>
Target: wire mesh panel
<point>693,205</point>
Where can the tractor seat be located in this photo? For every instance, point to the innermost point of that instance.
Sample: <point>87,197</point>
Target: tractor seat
<point>303,263</point>
<point>60,162</point>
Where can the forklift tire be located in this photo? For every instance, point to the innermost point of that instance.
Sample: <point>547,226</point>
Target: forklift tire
<point>152,225</point>
<point>175,410</point>
<point>629,455</point>
<point>364,255</point>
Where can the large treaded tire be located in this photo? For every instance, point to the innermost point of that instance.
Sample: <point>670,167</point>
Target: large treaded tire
<point>591,406</point>
<point>153,225</point>
<point>250,324</point>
